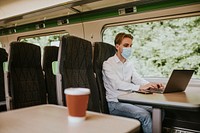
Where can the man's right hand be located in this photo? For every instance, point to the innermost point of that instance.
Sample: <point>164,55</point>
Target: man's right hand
<point>151,86</point>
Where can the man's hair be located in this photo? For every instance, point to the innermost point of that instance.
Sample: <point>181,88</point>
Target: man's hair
<point>120,36</point>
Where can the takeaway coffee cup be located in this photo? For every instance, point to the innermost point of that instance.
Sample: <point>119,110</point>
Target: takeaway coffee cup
<point>77,102</point>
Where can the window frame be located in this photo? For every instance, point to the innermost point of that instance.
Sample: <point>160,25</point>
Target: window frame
<point>42,34</point>
<point>194,81</point>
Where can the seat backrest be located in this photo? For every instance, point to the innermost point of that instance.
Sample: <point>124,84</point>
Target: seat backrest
<point>26,80</point>
<point>102,51</point>
<point>50,55</point>
<point>3,58</point>
<point>76,68</point>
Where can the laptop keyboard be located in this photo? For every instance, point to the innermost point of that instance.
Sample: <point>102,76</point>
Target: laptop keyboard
<point>155,90</point>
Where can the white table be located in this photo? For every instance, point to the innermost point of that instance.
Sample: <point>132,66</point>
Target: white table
<point>53,119</point>
<point>189,100</point>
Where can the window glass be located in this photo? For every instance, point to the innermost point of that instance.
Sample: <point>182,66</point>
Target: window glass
<point>42,41</point>
<point>161,46</point>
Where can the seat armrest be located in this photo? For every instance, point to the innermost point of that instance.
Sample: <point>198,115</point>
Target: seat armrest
<point>55,68</point>
<point>5,66</point>
<point>8,98</point>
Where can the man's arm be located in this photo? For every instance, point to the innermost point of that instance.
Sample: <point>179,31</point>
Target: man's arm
<point>111,79</point>
<point>137,79</point>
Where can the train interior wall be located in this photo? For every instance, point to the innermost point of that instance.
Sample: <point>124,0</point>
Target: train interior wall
<point>92,31</point>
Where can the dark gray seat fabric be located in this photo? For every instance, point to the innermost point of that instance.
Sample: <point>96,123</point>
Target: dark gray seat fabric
<point>26,80</point>
<point>3,58</point>
<point>50,55</point>
<point>76,68</point>
<point>102,51</point>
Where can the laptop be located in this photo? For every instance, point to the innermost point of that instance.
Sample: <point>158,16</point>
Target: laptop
<point>177,82</point>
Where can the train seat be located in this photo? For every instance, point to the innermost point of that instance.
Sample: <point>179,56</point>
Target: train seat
<point>3,58</point>
<point>26,80</point>
<point>102,51</point>
<point>50,55</point>
<point>76,68</point>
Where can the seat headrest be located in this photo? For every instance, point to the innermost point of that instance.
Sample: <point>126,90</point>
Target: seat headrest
<point>3,55</point>
<point>73,40</point>
<point>75,50</point>
<point>24,54</point>
<point>50,55</point>
<point>102,51</point>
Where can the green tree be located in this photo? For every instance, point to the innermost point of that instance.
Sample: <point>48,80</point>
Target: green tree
<point>161,46</point>
<point>43,41</point>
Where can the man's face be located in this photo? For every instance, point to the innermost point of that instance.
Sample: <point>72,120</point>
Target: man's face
<point>126,42</point>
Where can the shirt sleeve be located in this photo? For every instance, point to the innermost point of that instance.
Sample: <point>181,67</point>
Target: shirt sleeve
<point>137,79</point>
<point>112,80</point>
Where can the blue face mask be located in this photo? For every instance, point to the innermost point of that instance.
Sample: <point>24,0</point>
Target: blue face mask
<point>126,52</point>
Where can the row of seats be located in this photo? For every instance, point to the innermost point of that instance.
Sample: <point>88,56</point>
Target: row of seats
<point>28,87</point>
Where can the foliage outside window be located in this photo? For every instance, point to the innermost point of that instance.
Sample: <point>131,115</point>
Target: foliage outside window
<point>161,46</point>
<point>42,41</point>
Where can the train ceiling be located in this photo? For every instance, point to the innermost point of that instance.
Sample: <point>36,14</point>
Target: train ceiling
<point>20,12</point>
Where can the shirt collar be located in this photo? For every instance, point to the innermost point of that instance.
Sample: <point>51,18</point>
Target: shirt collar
<point>117,59</point>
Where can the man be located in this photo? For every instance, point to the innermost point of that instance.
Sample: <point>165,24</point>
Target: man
<point>119,76</point>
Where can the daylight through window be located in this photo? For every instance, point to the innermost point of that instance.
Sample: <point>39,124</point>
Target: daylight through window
<point>161,46</point>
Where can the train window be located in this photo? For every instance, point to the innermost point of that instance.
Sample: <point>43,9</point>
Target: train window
<point>161,46</point>
<point>0,45</point>
<point>43,40</point>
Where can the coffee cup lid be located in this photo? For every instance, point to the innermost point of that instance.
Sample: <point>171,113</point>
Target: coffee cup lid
<point>77,91</point>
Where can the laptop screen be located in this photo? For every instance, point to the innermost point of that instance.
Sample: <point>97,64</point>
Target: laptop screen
<point>178,80</point>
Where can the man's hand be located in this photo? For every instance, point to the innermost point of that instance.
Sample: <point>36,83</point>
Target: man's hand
<point>151,86</point>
